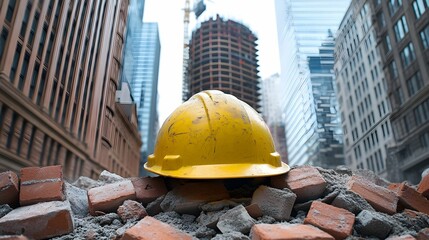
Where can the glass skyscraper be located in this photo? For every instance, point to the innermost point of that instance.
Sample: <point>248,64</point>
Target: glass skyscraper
<point>302,26</point>
<point>326,143</point>
<point>144,86</point>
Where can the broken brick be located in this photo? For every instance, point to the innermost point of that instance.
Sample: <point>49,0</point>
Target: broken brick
<point>189,197</point>
<point>424,186</point>
<point>131,210</point>
<point>410,198</point>
<point>285,232</point>
<point>39,221</point>
<point>336,221</point>
<point>423,234</point>
<point>149,188</point>
<point>41,184</point>
<point>380,198</point>
<point>306,182</point>
<point>109,197</point>
<point>9,188</point>
<point>274,202</point>
<point>149,228</point>
<point>254,211</point>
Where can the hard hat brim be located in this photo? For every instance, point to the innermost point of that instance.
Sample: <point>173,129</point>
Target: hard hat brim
<point>221,171</point>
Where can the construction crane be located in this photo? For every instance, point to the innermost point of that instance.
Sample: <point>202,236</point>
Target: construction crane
<point>198,9</point>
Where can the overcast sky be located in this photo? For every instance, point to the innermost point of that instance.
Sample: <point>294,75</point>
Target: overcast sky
<point>258,15</point>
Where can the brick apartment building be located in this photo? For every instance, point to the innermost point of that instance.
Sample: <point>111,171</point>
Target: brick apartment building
<point>60,64</point>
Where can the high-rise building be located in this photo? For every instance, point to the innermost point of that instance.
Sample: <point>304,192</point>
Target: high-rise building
<point>145,86</point>
<point>362,92</point>
<point>325,146</point>
<point>272,114</point>
<point>59,72</point>
<point>222,56</point>
<point>302,26</point>
<point>403,41</point>
<point>134,29</point>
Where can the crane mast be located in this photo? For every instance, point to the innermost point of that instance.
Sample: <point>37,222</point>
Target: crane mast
<point>185,90</point>
<point>199,8</point>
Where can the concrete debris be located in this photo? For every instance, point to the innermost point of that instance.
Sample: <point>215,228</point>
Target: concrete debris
<point>78,199</point>
<point>306,203</point>
<point>86,183</point>
<point>5,209</point>
<point>352,202</point>
<point>274,202</point>
<point>236,220</point>
<point>108,177</point>
<point>370,223</point>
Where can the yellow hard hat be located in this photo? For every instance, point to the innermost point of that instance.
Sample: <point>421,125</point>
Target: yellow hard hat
<point>215,135</point>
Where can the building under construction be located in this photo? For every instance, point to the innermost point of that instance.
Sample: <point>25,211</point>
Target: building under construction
<point>222,56</point>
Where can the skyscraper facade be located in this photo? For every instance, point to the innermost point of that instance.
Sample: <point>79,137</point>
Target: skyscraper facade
<point>403,41</point>
<point>272,114</point>
<point>147,49</point>
<point>362,91</point>
<point>222,56</point>
<point>59,72</point>
<point>326,144</point>
<point>301,28</point>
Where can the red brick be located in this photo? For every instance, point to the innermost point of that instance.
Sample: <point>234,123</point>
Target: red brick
<point>39,221</point>
<point>285,232</point>
<point>410,198</point>
<point>424,186</point>
<point>423,234</point>
<point>403,237</point>
<point>149,228</point>
<point>9,188</point>
<point>41,185</point>
<point>380,198</point>
<point>41,173</point>
<point>109,197</point>
<point>254,211</point>
<point>336,221</point>
<point>131,210</point>
<point>149,188</point>
<point>306,182</point>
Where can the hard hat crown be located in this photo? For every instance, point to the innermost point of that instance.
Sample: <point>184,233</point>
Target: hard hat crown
<point>215,135</point>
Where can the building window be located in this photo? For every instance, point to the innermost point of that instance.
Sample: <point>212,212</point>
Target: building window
<point>393,69</point>
<point>23,71</point>
<point>408,55</point>
<point>48,51</point>
<point>3,38</point>
<point>394,6</point>
<point>414,84</point>
<point>419,7</point>
<point>387,44</point>
<point>34,80</point>
<point>25,20</point>
<point>424,139</point>
<point>381,21</point>
<point>15,62</point>
<point>401,28</point>
<point>10,10</point>
<point>420,114</point>
<point>33,28</point>
<point>424,35</point>
<point>400,96</point>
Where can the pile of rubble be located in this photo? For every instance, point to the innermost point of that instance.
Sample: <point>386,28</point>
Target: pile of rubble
<point>305,203</point>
